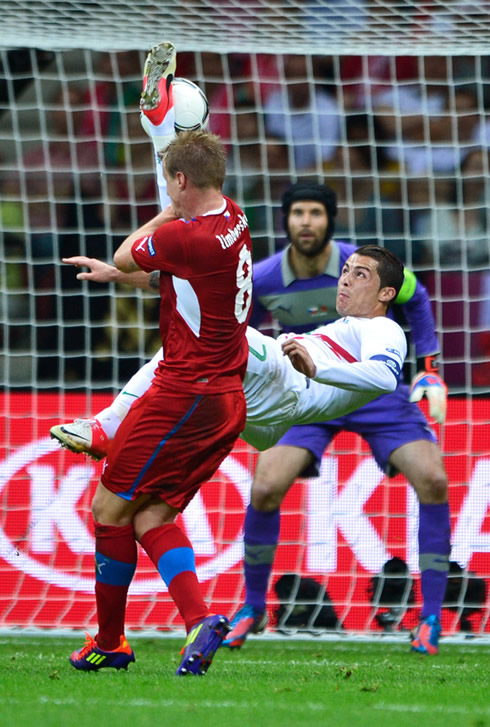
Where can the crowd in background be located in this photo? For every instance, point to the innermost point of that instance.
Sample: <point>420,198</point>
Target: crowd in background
<point>403,141</point>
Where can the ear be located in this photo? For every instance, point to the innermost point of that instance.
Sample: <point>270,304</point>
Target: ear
<point>386,294</point>
<point>181,180</point>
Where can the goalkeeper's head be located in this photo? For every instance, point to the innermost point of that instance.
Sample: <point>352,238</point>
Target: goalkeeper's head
<point>311,192</point>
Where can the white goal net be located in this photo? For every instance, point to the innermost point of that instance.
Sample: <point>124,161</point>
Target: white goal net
<point>400,128</point>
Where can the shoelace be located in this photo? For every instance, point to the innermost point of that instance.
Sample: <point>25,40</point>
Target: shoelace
<point>88,645</point>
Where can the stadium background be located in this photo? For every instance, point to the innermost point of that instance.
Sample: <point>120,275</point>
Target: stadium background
<point>404,141</point>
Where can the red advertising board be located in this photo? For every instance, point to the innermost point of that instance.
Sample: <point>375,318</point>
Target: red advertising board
<point>339,528</point>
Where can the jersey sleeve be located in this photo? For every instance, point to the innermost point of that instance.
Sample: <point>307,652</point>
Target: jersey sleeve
<point>167,250</point>
<point>383,350</point>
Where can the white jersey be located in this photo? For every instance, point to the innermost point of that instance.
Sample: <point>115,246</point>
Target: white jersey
<point>357,359</point>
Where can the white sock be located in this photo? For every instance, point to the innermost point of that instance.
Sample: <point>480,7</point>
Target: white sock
<point>111,417</point>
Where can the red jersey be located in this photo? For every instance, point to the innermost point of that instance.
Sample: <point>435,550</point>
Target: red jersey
<point>206,294</point>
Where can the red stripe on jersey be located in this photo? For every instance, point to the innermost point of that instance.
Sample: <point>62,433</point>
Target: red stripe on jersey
<point>338,350</point>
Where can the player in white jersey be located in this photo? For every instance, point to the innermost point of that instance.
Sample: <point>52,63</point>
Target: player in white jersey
<point>352,368</point>
<point>355,358</point>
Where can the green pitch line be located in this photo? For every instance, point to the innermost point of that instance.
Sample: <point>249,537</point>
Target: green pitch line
<point>265,684</point>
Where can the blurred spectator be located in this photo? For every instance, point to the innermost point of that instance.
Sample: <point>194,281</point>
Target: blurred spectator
<point>369,208</point>
<point>365,215</point>
<point>433,123</point>
<point>132,189</point>
<point>364,77</point>
<point>304,115</point>
<point>52,167</point>
<point>250,79</point>
<point>65,216</point>
<point>113,86</point>
<point>481,370</point>
<point>258,173</point>
<point>448,137</point>
<point>14,304</point>
<point>455,230</point>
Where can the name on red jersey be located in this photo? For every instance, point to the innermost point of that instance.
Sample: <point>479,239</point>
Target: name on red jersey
<point>232,236</point>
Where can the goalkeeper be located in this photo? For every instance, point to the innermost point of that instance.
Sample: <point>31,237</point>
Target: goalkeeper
<point>297,286</point>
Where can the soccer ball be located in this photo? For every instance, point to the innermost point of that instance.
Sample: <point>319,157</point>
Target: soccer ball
<point>190,106</point>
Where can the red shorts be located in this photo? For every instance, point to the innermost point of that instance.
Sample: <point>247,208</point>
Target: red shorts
<point>171,443</point>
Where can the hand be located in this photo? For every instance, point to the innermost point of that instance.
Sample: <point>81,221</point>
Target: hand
<point>430,385</point>
<point>168,215</point>
<point>299,357</point>
<point>100,272</point>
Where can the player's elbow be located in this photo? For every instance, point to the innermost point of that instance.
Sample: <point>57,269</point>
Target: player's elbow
<point>390,384</point>
<point>124,261</point>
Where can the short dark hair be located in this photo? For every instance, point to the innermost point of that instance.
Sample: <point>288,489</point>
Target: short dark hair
<point>390,267</point>
<point>311,192</point>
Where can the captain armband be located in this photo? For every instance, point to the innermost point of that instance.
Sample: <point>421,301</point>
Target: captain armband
<point>391,363</point>
<point>408,288</point>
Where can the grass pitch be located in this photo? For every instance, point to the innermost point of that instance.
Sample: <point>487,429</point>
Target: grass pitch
<point>265,684</point>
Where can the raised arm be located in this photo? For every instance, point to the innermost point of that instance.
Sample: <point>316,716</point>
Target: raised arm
<point>123,258</point>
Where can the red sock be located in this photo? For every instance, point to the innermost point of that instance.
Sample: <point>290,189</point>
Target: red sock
<point>115,563</point>
<point>171,551</point>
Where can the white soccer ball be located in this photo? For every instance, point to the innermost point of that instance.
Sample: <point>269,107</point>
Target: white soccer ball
<point>190,106</point>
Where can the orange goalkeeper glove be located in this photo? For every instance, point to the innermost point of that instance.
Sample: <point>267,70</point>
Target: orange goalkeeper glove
<point>428,383</point>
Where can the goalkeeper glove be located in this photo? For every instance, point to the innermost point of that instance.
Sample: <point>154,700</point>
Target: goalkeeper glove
<point>428,383</point>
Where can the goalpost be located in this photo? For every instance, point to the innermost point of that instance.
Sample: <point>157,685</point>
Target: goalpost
<point>400,128</point>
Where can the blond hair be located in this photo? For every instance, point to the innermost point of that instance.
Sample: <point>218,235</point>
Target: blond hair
<point>199,155</point>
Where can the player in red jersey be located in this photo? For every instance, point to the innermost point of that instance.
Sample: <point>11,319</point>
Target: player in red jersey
<point>176,436</point>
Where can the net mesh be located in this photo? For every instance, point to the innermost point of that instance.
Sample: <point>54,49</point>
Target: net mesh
<point>395,118</point>
<point>272,26</point>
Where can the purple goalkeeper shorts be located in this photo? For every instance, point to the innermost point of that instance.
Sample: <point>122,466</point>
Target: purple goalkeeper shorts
<point>386,423</point>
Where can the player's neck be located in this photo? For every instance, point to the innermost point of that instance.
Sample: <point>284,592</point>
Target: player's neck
<point>205,201</point>
<point>305,266</point>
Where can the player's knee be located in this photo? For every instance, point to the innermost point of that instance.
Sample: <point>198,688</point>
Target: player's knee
<point>438,484</point>
<point>433,489</point>
<point>266,495</point>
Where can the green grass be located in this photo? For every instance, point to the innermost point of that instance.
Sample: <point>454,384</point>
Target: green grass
<point>266,684</point>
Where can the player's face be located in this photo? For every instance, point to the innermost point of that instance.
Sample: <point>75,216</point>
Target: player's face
<point>307,227</point>
<point>358,290</point>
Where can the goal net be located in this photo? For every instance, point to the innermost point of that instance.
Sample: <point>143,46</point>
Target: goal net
<point>400,129</point>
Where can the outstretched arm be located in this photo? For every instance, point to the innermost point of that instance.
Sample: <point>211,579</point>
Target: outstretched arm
<point>101,272</point>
